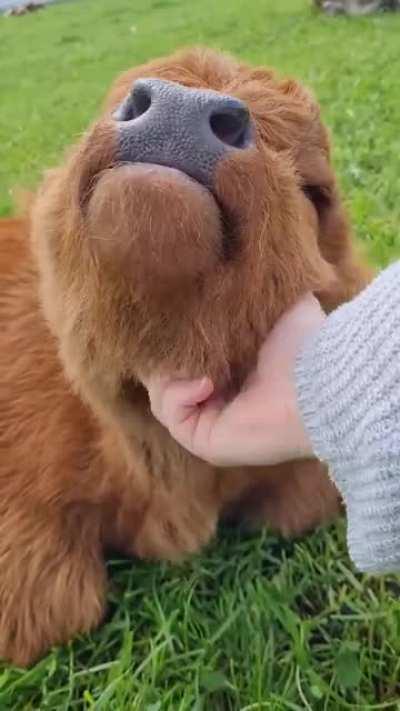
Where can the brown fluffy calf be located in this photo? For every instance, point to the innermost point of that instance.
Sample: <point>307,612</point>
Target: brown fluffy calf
<point>126,271</point>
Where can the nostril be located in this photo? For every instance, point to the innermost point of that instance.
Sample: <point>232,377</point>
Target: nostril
<point>137,103</point>
<point>232,126</point>
<point>141,99</point>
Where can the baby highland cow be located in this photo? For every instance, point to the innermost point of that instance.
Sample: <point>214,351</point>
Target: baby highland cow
<point>198,207</point>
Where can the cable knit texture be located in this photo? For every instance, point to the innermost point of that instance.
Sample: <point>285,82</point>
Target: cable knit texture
<point>348,384</point>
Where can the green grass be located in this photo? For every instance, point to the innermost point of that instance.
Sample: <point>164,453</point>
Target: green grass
<point>253,623</point>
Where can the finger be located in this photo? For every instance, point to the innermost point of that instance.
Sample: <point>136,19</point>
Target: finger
<point>173,400</point>
<point>156,385</point>
<point>181,398</point>
<point>201,425</point>
<point>190,411</point>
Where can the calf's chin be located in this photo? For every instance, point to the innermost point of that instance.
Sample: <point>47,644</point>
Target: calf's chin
<point>156,229</point>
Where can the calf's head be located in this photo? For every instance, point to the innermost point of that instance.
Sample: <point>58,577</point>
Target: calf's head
<point>191,214</point>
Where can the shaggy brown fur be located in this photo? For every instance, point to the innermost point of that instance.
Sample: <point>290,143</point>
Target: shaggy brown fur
<point>125,273</point>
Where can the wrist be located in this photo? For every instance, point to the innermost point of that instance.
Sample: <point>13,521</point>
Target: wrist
<point>301,442</point>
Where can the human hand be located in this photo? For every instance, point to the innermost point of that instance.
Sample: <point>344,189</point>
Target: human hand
<point>262,424</point>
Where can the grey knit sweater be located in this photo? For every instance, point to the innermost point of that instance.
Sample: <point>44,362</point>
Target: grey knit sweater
<point>348,383</point>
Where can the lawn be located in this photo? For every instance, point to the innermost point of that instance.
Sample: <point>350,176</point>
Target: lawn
<point>253,623</point>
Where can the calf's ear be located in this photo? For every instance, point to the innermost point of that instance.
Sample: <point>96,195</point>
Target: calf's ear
<point>337,245</point>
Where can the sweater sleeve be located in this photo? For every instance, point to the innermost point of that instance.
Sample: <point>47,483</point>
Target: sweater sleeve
<point>348,386</point>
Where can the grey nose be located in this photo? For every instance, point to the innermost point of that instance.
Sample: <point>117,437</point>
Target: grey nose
<point>188,129</point>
